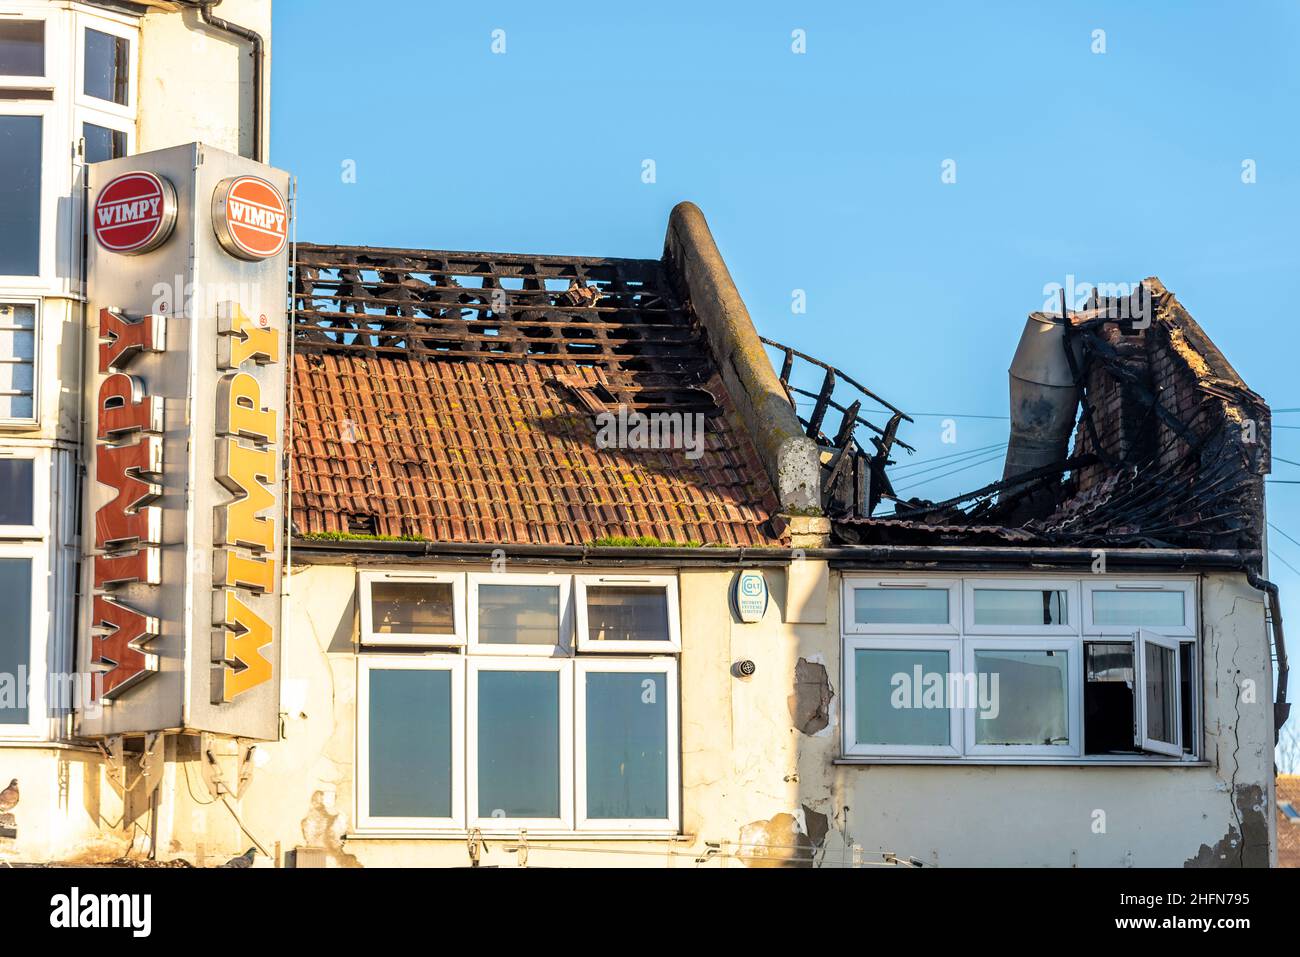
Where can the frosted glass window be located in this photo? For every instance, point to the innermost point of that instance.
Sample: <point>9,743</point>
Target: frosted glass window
<point>627,745</point>
<point>410,743</point>
<point>890,703</point>
<point>900,606</point>
<point>1032,698</point>
<point>519,744</point>
<point>1151,609</point>
<point>1021,606</point>
<point>519,614</point>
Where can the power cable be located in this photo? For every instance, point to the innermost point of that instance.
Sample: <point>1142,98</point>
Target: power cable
<point>963,468</point>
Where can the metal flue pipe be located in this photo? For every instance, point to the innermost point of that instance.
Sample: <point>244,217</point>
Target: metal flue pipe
<point>1044,398</point>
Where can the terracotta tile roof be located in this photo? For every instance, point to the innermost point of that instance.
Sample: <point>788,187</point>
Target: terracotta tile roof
<point>473,442</point>
<point>1288,828</point>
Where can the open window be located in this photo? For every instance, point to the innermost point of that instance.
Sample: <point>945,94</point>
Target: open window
<point>421,610</point>
<point>628,614</point>
<point>1158,672</point>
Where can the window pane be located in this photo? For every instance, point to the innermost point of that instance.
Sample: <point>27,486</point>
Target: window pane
<point>20,195</point>
<point>1138,608</point>
<point>15,636</point>
<point>17,481</point>
<point>22,48</point>
<point>1031,697</point>
<point>1021,606</point>
<point>412,608</point>
<point>17,357</point>
<point>107,66</point>
<point>627,745</point>
<point>518,744</point>
<point>410,743</point>
<point>1161,712</point>
<point>900,606</point>
<point>626,613</point>
<point>901,697</point>
<point>519,614</point>
<point>103,143</point>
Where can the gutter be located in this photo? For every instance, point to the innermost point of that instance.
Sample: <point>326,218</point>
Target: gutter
<point>860,556</point>
<point>253,37</point>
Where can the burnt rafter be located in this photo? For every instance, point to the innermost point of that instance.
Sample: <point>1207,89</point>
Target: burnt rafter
<point>619,316</point>
<point>853,481</point>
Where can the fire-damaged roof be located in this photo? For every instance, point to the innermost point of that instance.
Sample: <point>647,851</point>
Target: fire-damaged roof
<point>454,397</point>
<point>1170,449</point>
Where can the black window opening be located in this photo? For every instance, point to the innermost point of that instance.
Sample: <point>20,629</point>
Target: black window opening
<point>1111,716</point>
<point>22,48</point>
<point>103,143</point>
<point>20,195</point>
<point>108,67</point>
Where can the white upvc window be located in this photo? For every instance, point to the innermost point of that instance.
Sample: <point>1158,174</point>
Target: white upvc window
<point>27,56</point>
<point>20,361</point>
<point>1037,669</point>
<point>1019,606</point>
<point>30,138</point>
<point>24,599</point>
<point>1120,607</point>
<point>520,743</point>
<point>889,605</point>
<point>511,614</point>
<point>626,734</point>
<point>1033,694</point>
<point>24,492</point>
<point>900,697</point>
<point>628,614</point>
<point>1158,694</point>
<point>532,733</point>
<point>107,66</point>
<point>412,609</point>
<point>410,742</point>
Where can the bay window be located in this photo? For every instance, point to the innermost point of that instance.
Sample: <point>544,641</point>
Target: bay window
<point>489,710</point>
<point>1022,669</point>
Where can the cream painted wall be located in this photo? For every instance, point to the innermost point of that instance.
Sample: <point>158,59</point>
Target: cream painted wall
<point>196,81</point>
<point>750,777</point>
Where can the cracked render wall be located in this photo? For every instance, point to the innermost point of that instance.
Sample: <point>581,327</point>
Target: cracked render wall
<point>757,758</point>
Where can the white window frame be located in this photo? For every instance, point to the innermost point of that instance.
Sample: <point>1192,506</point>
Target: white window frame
<point>455,664</point>
<point>84,115</point>
<point>52,145</point>
<point>52,61</point>
<point>1186,586</point>
<point>38,723</point>
<point>40,459</point>
<point>80,99</point>
<point>367,635</point>
<point>1141,739</point>
<point>564,668</point>
<point>36,303</point>
<point>1074,697</point>
<point>1069,586</point>
<point>564,646</point>
<point>854,627</point>
<point>956,726</point>
<point>668,667</point>
<point>668,583</point>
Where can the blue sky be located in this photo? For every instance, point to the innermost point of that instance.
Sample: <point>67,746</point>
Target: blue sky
<point>821,171</point>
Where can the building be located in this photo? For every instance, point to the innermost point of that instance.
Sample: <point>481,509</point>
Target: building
<point>1288,820</point>
<point>569,580</point>
<point>82,83</point>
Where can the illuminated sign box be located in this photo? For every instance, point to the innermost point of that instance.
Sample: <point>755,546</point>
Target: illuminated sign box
<point>185,409</point>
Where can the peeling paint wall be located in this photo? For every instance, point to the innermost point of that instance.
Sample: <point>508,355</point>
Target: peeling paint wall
<point>759,786</point>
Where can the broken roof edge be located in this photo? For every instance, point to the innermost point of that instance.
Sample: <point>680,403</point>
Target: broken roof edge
<point>790,458</point>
